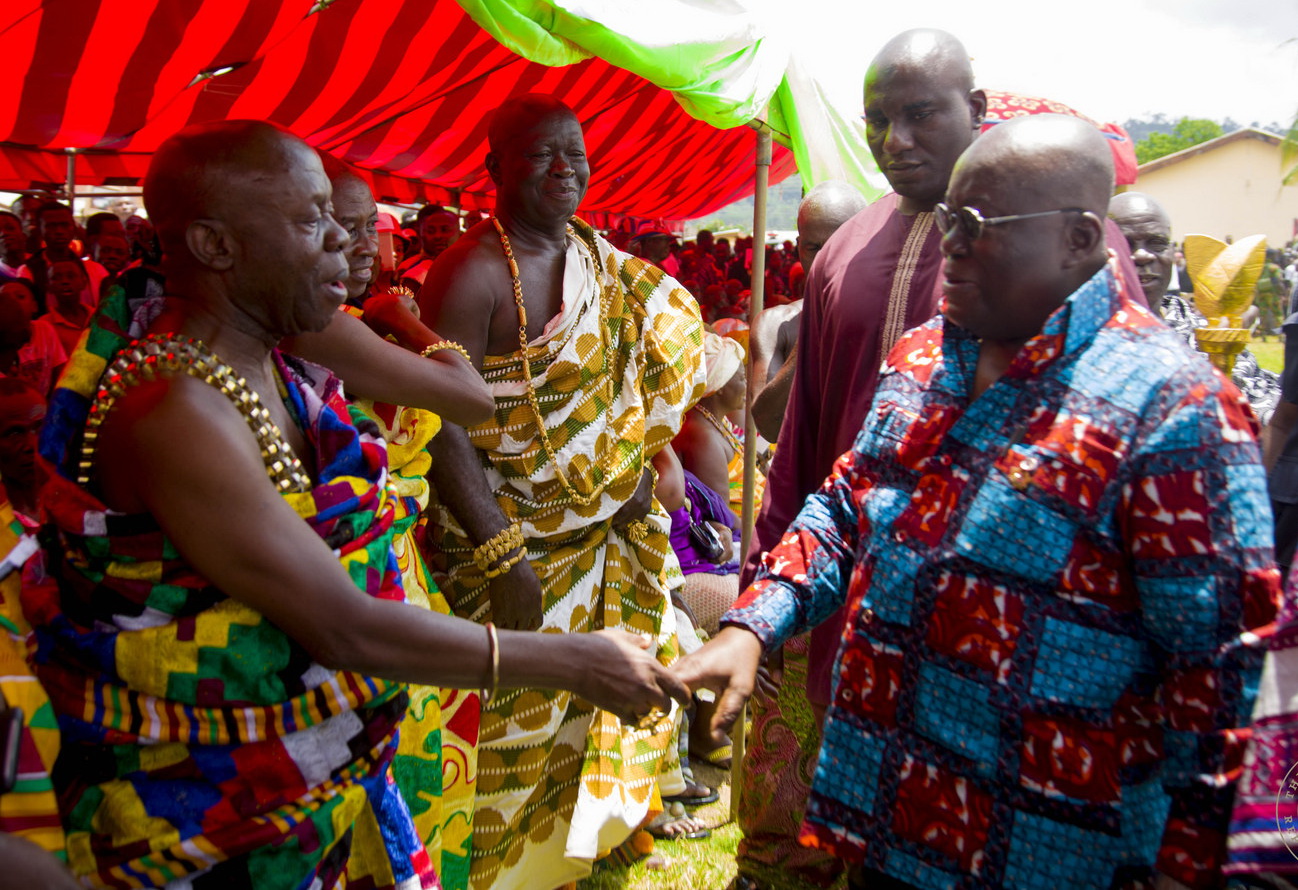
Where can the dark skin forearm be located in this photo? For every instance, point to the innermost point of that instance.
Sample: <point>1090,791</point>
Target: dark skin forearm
<point>461,486</point>
<point>770,402</point>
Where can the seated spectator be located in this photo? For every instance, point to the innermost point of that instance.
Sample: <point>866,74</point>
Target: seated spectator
<point>22,411</point>
<point>112,254</point>
<point>30,350</point>
<point>66,310</point>
<point>438,229</point>
<point>13,244</point>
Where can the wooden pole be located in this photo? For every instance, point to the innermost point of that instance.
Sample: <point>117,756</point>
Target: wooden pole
<point>750,429</point>
<point>72,180</point>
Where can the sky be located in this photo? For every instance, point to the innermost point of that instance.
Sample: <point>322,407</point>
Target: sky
<point>1109,59</point>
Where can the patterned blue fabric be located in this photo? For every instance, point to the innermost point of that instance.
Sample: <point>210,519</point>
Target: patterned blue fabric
<point>1047,588</point>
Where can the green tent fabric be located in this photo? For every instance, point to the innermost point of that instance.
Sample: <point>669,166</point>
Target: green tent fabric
<point>723,61</point>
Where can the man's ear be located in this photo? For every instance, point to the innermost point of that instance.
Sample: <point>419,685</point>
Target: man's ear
<point>978,107</point>
<point>493,167</point>
<point>1083,237</point>
<point>209,241</point>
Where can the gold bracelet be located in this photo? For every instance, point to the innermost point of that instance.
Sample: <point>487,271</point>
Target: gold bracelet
<point>505,565</point>
<point>493,647</point>
<point>507,539</point>
<point>446,344</point>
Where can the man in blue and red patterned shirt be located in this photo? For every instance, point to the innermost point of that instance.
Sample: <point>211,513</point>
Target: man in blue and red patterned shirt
<point>1053,538</point>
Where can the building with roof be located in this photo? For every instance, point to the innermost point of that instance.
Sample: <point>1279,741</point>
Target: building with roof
<point>1230,185</point>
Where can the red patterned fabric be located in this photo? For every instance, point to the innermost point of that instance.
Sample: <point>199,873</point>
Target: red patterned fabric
<point>1005,106</point>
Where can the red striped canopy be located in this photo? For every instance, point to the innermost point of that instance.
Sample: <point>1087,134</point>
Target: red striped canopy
<point>400,88</point>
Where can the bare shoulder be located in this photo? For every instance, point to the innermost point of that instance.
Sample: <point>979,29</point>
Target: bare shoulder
<point>171,432</point>
<point>471,268</point>
<point>771,325</point>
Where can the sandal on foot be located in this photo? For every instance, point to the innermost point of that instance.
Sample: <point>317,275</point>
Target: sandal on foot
<point>673,827</point>
<point>718,757</point>
<point>695,795</point>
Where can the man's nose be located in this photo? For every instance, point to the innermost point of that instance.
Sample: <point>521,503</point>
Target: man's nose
<point>560,166</point>
<point>954,241</point>
<point>336,237</point>
<point>897,137</point>
<point>1142,257</point>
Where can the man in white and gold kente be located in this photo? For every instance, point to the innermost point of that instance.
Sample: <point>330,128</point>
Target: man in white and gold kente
<point>545,515</point>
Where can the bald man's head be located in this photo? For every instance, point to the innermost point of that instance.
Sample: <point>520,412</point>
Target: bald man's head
<point>1046,158</point>
<point>1023,224</point>
<point>244,212</point>
<point>826,207</point>
<point>537,161</point>
<point>518,114</point>
<point>213,170</point>
<point>1148,231</point>
<point>921,112</point>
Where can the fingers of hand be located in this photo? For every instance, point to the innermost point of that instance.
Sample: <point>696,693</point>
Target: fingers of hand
<point>729,708</point>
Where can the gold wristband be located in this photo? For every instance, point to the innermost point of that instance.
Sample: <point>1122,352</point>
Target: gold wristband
<point>493,647</point>
<point>506,540</point>
<point>446,344</point>
<point>505,565</point>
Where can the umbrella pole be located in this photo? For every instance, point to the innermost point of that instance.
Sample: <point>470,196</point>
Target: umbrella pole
<point>72,179</point>
<point>750,429</point>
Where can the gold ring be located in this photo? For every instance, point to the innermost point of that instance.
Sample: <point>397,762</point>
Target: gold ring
<point>637,531</point>
<point>650,720</point>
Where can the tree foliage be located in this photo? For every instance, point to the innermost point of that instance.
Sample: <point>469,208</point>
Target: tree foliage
<point>1189,131</point>
<point>1289,154</point>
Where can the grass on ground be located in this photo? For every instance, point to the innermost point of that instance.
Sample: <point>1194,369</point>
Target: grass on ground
<point>1269,352</point>
<point>688,865</point>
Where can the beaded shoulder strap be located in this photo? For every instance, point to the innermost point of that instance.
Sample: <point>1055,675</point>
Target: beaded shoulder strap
<point>163,354</point>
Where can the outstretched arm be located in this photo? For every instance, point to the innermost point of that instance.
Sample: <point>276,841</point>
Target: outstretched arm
<point>802,582</point>
<point>373,368</point>
<point>212,499</point>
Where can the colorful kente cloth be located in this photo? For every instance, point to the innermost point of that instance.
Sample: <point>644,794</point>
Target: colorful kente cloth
<point>437,757</point>
<point>1045,661</point>
<point>201,745</point>
<point>614,372</point>
<point>30,809</point>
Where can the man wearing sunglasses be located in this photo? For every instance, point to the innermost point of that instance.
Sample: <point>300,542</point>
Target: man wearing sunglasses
<point>1052,541</point>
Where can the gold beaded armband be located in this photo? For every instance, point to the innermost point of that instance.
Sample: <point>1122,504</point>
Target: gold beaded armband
<point>446,344</point>
<point>505,564</point>
<point>508,539</point>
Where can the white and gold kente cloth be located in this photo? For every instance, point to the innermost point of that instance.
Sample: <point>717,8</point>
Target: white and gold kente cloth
<point>614,373</point>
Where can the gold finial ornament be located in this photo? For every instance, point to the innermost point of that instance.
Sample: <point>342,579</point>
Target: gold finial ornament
<point>1225,277</point>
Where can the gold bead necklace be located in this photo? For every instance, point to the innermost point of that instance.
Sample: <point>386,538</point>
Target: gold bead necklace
<point>157,354</point>
<point>576,497</point>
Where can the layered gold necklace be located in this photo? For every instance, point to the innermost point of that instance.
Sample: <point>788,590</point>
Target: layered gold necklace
<point>546,445</point>
<point>156,354</point>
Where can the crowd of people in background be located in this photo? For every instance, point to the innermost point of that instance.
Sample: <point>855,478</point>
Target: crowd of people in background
<point>1014,562</point>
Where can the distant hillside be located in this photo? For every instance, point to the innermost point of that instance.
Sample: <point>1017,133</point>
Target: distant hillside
<point>1140,128</point>
<point>781,210</point>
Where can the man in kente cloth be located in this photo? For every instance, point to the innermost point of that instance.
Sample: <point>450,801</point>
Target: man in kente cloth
<point>594,355</point>
<point>223,634</point>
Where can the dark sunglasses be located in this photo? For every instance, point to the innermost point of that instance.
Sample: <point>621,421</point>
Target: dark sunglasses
<point>971,222</point>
